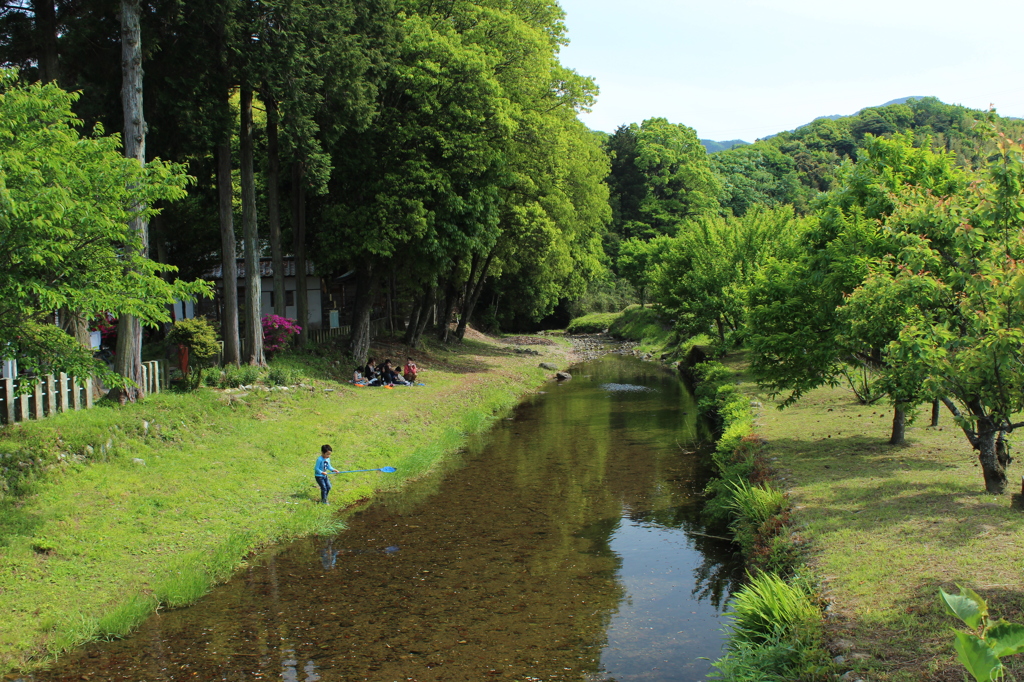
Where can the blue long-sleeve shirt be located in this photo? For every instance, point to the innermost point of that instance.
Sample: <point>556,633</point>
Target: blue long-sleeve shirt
<point>323,465</point>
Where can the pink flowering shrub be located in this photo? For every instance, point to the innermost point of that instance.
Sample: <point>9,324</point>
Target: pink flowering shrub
<point>277,332</point>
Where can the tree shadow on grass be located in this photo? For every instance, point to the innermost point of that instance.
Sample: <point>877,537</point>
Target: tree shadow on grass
<point>917,641</point>
<point>860,484</point>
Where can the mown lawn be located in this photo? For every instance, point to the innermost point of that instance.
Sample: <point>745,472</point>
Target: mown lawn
<point>96,545</point>
<point>888,526</point>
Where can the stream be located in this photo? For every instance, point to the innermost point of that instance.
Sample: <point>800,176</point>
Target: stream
<point>565,543</point>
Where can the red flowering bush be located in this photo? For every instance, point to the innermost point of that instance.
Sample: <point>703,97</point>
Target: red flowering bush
<point>277,332</point>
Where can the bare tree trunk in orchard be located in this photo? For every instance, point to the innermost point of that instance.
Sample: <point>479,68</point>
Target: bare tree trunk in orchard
<point>253,289</point>
<point>899,425</point>
<point>229,263</point>
<point>274,207</point>
<point>45,12</point>
<point>989,457</point>
<point>721,328</point>
<point>299,247</point>
<point>474,294</point>
<point>366,290</point>
<point>935,412</point>
<point>993,463</point>
<point>128,359</point>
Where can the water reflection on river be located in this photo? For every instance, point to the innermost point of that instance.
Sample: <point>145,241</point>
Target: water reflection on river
<point>563,545</point>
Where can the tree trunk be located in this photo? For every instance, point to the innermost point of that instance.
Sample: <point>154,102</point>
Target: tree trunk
<point>75,325</point>
<point>430,304</point>
<point>414,320</point>
<point>274,207</point>
<point>444,328</point>
<point>46,39</point>
<point>128,360</point>
<point>899,425</point>
<point>935,412</point>
<point>229,263</point>
<point>1003,451</point>
<point>299,247</point>
<point>991,468</point>
<point>365,292</point>
<point>474,294</point>
<point>721,328</point>
<point>250,237</point>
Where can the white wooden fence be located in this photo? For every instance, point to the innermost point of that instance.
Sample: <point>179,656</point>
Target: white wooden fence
<point>59,393</point>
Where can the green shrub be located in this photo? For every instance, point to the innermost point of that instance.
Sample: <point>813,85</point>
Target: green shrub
<point>283,376</point>
<point>594,323</point>
<point>243,375</point>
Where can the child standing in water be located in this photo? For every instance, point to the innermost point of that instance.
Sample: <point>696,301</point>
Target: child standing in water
<point>323,465</point>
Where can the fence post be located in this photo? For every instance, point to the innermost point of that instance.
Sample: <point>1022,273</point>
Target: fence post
<point>145,379</point>
<point>62,392</point>
<point>8,390</point>
<point>76,394</point>
<point>88,393</point>
<point>37,398</point>
<point>22,414</point>
<point>51,396</point>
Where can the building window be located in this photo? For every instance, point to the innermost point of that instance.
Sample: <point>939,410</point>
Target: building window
<point>289,298</point>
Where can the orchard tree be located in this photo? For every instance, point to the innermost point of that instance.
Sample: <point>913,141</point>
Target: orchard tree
<point>66,241</point>
<point>959,275</point>
<point>799,337</point>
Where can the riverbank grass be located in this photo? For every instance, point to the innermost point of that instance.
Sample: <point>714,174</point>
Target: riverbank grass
<point>173,493</point>
<point>888,526</point>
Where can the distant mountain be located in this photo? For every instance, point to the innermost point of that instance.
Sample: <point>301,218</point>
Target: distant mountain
<point>713,146</point>
<point>901,100</point>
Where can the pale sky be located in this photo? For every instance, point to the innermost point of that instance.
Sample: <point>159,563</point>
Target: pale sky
<point>744,69</point>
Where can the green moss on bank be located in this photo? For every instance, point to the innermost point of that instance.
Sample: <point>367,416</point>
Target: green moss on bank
<point>172,494</point>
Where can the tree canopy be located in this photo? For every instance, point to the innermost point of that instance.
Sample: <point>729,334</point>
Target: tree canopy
<point>65,204</point>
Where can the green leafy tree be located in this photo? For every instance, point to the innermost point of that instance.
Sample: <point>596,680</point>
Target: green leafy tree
<point>66,202</point>
<point>759,174</point>
<point>704,272</point>
<point>799,336</point>
<point>960,267</point>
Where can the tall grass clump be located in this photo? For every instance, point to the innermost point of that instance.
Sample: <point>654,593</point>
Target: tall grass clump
<point>775,634</point>
<point>753,506</point>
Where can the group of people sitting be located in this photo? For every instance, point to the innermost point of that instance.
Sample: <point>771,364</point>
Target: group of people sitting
<point>386,374</point>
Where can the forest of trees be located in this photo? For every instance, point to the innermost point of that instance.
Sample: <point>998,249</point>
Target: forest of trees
<point>434,149</point>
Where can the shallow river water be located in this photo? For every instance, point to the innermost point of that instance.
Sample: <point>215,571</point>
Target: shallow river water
<point>563,544</point>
